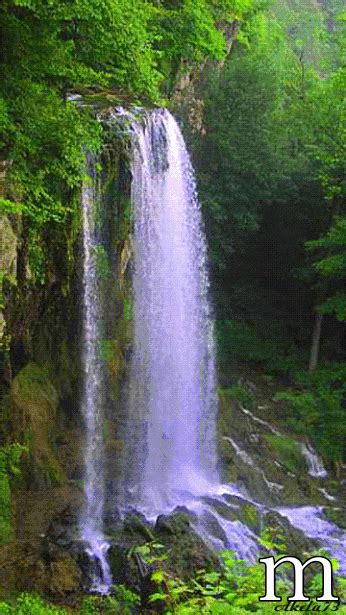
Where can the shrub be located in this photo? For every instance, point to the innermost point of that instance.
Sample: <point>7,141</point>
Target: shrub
<point>241,394</point>
<point>316,407</point>
<point>9,462</point>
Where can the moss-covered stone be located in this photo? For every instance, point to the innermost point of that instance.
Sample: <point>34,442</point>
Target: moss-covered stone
<point>336,515</point>
<point>286,451</point>
<point>187,551</point>
<point>291,539</point>
<point>251,516</point>
<point>8,266</point>
<point>34,409</point>
<point>66,576</point>
<point>5,506</point>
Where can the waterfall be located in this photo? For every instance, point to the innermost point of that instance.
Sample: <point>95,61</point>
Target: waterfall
<point>315,465</point>
<point>168,457</point>
<point>92,396</point>
<point>172,407</point>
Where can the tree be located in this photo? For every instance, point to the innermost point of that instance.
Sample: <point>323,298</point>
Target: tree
<point>271,156</point>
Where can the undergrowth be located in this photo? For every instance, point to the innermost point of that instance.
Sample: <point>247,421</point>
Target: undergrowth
<point>234,590</point>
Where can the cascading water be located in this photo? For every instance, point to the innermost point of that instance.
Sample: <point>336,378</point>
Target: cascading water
<point>92,400</point>
<point>315,465</point>
<point>172,400</point>
<point>310,520</point>
<point>169,458</point>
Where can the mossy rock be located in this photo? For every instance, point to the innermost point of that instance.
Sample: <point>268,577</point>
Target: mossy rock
<point>66,576</point>
<point>251,516</point>
<point>187,551</point>
<point>123,567</point>
<point>34,401</point>
<point>225,413</point>
<point>228,511</point>
<point>8,249</point>
<point>295,541</point>
<point>287,452</point>
<point>136,524</point>
<point>336,515</point>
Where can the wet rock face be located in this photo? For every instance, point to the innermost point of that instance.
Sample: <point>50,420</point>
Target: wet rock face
<point>63,531</point>
<point>58,564</point>
<point>66,576</point>
<point>49,564</point>
<point>336,515</point>
<point>266,462</point>
<point>34,402</point>
<point>8,256</point>
<point>293,539</point>
<point>187,551</point>
<point>8,247</point>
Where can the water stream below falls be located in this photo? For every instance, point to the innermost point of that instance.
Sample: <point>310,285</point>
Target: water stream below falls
<point>170,453</point>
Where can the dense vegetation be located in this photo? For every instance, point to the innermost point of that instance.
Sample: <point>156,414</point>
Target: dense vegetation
<point>132,48</point>
<point>234,590</point>
<point>273,186</point>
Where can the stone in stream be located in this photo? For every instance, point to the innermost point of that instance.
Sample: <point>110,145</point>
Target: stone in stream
<point>336,515</point>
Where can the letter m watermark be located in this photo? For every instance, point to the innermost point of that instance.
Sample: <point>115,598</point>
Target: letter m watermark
<point>298,579</point>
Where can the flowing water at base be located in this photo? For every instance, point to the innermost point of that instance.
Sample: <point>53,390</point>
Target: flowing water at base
<point>309,519</point>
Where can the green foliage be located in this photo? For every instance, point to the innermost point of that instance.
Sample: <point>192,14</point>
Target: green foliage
<point>46,141</point>
<point>10,207</point>
<point>9,468</point>
<point>327,149</point>
<point>127,47</point>
<point>241,394</point>
<point>122,602</point>
<point>4,119</point>
<point>305,26</point>
<point>37,258</point>
<point>332,266</point>
<point>186,32</point>
<point>271,178</point>
<point>317,407</point>
<point>273,540</point>
<point>28,604</point>
<point>261,343</point>
<point>152,552</point>
<point>101,262</point>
